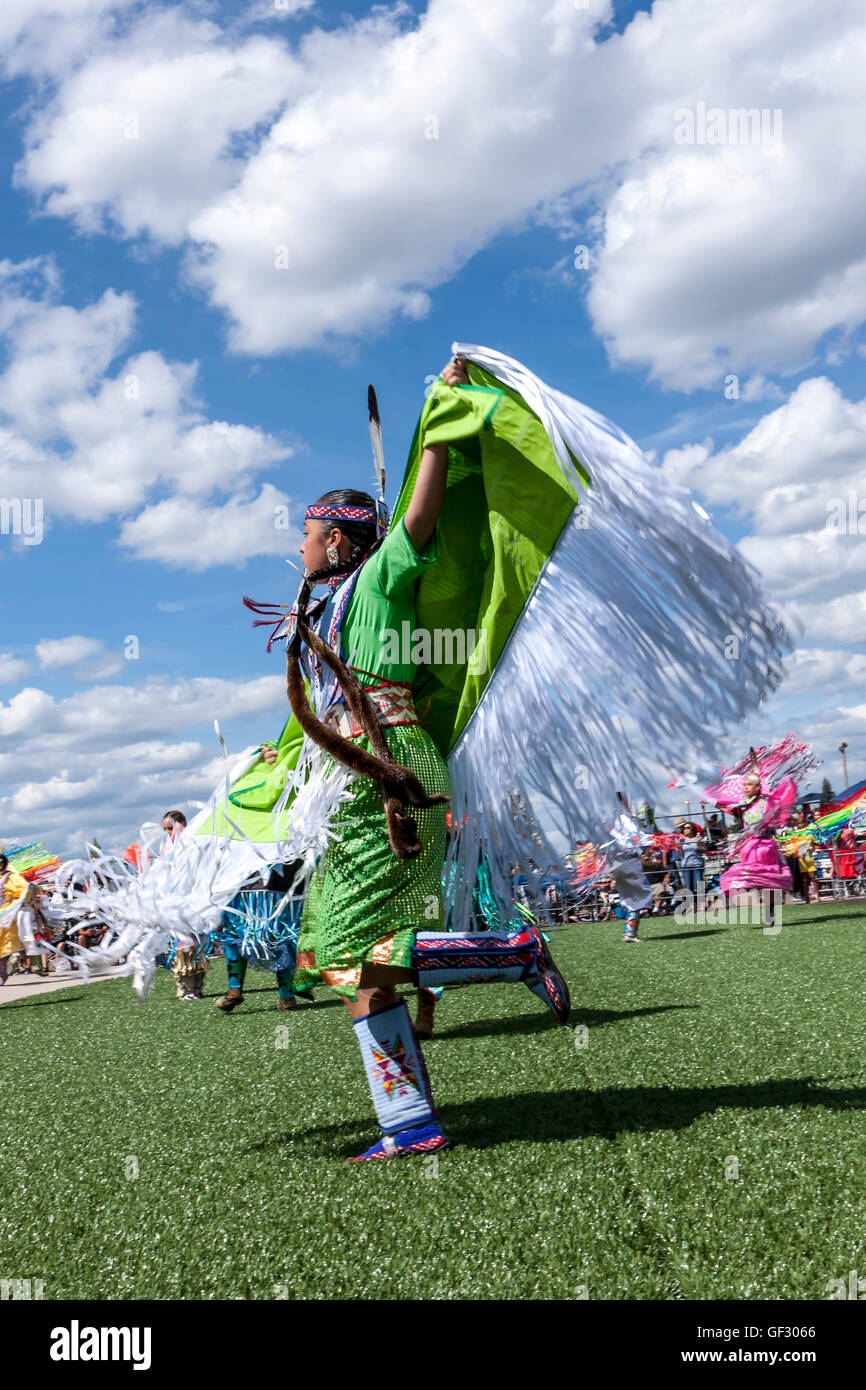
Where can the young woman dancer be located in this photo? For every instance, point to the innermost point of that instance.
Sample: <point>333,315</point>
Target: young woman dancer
<point>382,880</point>
<point>525,527</point>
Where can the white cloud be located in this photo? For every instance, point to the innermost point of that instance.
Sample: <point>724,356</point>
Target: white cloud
<point>708,258</point>
<point>84,658</point>
<point>65,651</point>
<point>840,619</point>
<point>759,388</point>
<point>54,793</point>
<point>24,711</point>
<point>55,353</point>
<point>382,179</point>
<point>185,533</point>
<point>109,712</point>
<point>152,770</point>
<point>815,670</point>
<point>12,668</point>
<point>143,133</point>
<point>798,478</point>
<point>47,36</point>
<point>279,9</point>
<point>726,258</point>
<point>794,470</point>
<point>95,437</point>
<point>108,758</point>
<point>145,758</point>
<point>343,178</point>
<point>813,562</point>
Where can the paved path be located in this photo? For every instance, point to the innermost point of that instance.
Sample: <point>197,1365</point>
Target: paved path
<point>23,986</point>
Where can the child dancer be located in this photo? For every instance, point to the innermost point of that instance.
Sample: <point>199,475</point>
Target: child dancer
<point>763,784</point>
<point>630,881</point>
<point>260,926</point>
<point>691,858</point>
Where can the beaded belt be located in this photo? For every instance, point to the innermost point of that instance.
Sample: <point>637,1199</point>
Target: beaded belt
<point>392,701</point>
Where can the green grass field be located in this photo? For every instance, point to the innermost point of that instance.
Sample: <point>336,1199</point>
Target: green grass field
<point>697,1133</point>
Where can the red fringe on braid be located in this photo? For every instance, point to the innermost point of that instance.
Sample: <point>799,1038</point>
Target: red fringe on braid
<point>274,617</point>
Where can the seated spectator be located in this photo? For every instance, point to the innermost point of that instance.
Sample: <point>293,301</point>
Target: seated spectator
<point>90,932</point>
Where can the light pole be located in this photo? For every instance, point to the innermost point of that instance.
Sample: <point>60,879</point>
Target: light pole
<point>842,747</point>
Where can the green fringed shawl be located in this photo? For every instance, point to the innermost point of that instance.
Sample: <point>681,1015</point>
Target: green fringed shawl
<point>505,505</point>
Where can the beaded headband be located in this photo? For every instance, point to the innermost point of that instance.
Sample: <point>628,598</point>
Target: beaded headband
<point>331,513</point>
<point>377,516</point>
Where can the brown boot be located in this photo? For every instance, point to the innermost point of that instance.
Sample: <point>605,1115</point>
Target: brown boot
<point>424,1016</point>
<point>230,1000</point>
<point>287,1005</point>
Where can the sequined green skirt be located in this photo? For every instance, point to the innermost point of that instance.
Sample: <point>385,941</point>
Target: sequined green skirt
<point>365,904</point>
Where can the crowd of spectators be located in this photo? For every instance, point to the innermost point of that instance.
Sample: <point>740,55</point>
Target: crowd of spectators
<point>693,855</point>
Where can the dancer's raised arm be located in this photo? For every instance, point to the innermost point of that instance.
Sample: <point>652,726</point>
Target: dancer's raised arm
<point>429,491</point>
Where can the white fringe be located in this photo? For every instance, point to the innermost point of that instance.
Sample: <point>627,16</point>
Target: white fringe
<point>185,884</point>
<point>646,637</point>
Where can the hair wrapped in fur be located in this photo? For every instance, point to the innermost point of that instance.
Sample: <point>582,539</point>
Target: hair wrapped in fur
<point>400,786</point>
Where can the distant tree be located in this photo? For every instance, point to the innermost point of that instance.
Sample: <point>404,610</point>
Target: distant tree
<point>827,792</point>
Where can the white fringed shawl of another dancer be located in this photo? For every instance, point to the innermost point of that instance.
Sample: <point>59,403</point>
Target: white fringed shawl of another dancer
<point>258,817</point>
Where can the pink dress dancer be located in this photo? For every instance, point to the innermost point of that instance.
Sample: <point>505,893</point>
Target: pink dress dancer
<point>760,862</point>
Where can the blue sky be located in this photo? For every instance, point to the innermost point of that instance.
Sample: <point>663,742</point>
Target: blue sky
<point>693,272</point>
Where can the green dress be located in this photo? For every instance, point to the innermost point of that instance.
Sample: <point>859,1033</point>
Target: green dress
<point>365,904</point>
